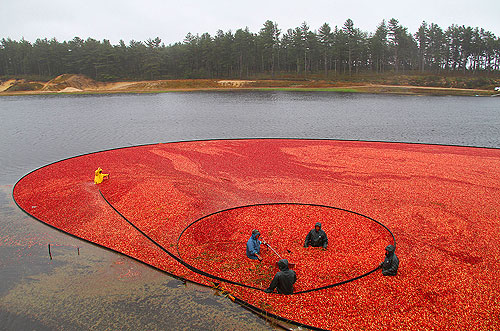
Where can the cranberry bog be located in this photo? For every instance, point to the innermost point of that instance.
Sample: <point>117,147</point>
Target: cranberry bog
<point>188,208</point>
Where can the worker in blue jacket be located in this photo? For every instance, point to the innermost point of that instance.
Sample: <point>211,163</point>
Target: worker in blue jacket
<point>253,246</point>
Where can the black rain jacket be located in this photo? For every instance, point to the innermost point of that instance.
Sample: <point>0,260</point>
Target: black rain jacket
<point>283,280</point>
<point>316,238</point>
<point>391,262</point>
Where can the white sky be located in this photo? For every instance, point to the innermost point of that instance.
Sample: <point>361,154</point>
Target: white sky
<point>172,20</point>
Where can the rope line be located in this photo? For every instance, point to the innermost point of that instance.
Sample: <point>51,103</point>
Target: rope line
<point>190,267</point>
<point>206,274</point>
<point>297,204</point>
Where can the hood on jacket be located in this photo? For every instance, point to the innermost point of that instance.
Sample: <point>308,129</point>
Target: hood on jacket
<point>389,250</point>
<point>318,224</point>
<point>255,233</point>
<point>283,264</point>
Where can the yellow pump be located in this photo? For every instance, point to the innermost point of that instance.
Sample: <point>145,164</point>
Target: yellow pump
<point>99,176</point>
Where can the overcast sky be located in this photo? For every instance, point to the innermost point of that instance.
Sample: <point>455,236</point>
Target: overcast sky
<point>172,20</point>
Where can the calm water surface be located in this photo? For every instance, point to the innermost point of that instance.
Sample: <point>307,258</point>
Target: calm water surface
<point>85,287</point>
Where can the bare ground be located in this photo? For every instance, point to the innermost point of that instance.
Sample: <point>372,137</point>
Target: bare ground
<point>70,83</point>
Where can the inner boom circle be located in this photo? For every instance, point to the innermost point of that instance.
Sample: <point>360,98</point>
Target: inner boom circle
<point>215,244</point>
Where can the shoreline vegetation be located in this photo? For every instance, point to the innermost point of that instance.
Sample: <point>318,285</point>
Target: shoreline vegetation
<point>387,84</point>
<point>457,60</point>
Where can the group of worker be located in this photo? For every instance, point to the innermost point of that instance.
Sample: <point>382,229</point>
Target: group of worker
<point>284,279</point>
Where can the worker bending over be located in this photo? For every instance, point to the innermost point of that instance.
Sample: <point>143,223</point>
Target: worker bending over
<point>253,246</point>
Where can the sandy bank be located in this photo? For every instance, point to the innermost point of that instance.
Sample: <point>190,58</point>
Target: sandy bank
<point>79,84</point>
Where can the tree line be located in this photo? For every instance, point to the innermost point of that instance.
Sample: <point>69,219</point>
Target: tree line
<point>271,52</point>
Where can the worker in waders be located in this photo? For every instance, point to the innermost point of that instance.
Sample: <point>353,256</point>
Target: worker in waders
<point>391,262</point>
<point>283,280</point>
<point>316,237</point>
<point>253,246</point>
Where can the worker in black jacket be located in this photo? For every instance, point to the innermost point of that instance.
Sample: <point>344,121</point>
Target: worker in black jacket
<point>391,262</point>
<point>283,280</point>
<point>316,237</point>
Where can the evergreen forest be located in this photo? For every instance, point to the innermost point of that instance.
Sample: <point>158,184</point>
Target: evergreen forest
<point>270,53</point>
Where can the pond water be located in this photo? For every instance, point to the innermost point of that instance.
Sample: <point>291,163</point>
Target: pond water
<point>84,286</point>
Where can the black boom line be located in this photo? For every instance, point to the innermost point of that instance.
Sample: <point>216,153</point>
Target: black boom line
<point>287,203</point>
<point>206,274</point>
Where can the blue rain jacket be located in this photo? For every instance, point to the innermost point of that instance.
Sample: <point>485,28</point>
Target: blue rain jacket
<point>253,246</point>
